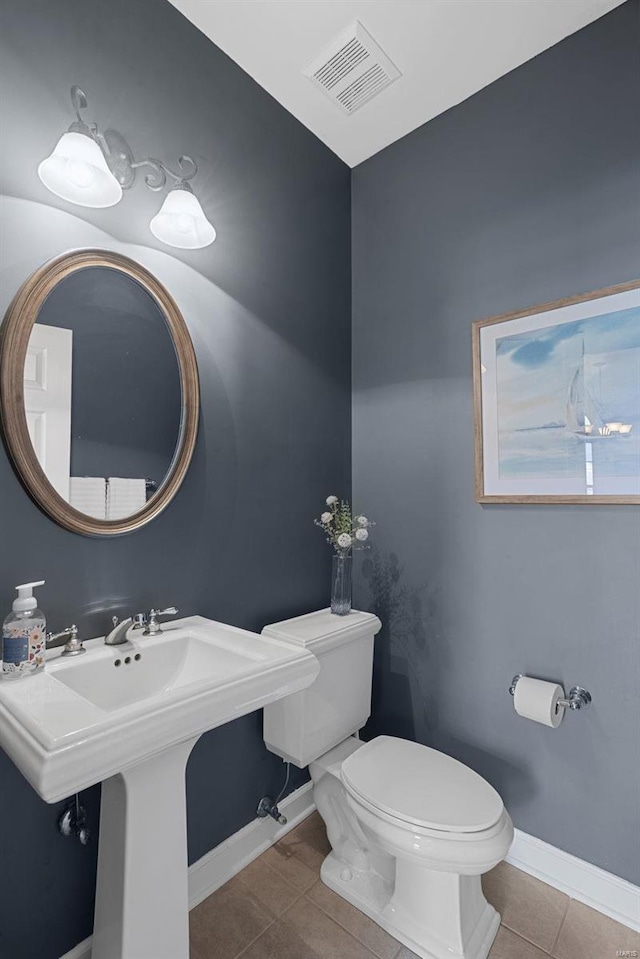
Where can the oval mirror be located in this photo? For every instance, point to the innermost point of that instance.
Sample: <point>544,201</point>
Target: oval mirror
<point>99,392</point>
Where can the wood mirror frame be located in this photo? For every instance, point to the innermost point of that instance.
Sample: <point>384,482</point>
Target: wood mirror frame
<point>14,340</point>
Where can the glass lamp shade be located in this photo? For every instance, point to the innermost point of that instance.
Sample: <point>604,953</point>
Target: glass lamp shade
<point>77,171</point>
<point>181,222</point>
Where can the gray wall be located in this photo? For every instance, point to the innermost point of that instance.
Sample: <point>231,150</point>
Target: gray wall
<point>268,307</point>
<point>525,193</point>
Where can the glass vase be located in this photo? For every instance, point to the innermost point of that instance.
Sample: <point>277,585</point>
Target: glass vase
<point>341,584</point>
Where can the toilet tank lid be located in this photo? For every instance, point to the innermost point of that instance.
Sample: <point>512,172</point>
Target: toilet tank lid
<point>420,785</point>
<point>323,628</point>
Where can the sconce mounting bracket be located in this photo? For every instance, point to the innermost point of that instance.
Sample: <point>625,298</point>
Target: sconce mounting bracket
<point>119,157</point>
<point>121,162</point>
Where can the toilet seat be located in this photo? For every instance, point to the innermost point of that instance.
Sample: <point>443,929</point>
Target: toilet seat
<point>411,785</point>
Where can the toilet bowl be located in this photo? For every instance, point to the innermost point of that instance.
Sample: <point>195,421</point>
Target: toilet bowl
<point>411,832</point>
<point>411,829</point>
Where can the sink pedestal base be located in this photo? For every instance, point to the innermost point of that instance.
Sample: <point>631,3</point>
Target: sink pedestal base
<point>142,898</point>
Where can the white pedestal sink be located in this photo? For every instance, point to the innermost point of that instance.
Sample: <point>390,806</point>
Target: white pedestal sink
<point>128,716</point>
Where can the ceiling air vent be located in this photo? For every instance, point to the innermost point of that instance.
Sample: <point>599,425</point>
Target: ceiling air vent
<point>352,69</point>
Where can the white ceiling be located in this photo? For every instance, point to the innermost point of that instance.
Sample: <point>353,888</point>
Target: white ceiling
<point>446,50</point>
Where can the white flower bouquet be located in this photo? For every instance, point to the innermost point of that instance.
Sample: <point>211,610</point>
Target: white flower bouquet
<point>344,531</point>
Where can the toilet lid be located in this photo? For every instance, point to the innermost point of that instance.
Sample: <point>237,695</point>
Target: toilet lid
<point>421,785</point>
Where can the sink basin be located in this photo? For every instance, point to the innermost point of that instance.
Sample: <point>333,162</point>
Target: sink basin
<point>128,716</point>
<point>86,718</point>
<point>117,676</point>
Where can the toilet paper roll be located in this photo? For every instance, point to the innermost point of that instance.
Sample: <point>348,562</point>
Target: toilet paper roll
<point>538,700</point>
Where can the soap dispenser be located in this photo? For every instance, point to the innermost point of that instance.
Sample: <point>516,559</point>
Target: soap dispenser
<point>23,635</point>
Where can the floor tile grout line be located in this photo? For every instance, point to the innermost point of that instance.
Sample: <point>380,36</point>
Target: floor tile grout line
<point>357,938</point>
<point>524,939</point>
<point>275,918</point>
<point>352,935</point>
<point>253,941</point>
<point>280,876</point>
<point>562,925</point>
<point>521,935</point>
<point>302,895</point>
<point>349,931</point>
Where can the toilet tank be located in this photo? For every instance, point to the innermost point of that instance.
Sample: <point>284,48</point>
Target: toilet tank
<point>303,726</point>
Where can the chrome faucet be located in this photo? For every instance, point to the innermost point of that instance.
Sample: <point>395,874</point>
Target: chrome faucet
<point>118,634</point>
<point>148,622</point>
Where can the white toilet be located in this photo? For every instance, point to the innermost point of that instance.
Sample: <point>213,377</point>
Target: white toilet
<point>411,829</point>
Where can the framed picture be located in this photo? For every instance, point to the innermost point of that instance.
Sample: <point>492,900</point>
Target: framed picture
<point>557,401</point>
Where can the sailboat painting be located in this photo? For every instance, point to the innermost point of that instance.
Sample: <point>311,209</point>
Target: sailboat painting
<point>559,391</point>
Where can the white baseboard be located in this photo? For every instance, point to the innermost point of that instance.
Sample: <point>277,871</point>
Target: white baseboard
<point>222,863</point>
<point>601,890</point>
<point>81,951</point>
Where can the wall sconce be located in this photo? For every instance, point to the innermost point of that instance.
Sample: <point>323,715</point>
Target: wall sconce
<point>92,169</point>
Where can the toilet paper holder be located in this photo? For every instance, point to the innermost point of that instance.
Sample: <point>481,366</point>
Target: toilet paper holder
<point>578,697</point>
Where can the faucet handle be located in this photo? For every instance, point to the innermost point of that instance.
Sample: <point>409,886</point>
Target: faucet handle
<point>73,646</point>
<point>151,619</point>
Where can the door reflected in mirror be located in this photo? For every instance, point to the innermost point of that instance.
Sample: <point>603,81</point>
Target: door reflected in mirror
<point>102,392</point>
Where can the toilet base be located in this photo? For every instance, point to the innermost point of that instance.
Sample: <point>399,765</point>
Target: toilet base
<point>373,896</point>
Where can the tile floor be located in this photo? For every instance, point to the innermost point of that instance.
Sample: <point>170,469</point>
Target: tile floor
<point>277,908</point>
